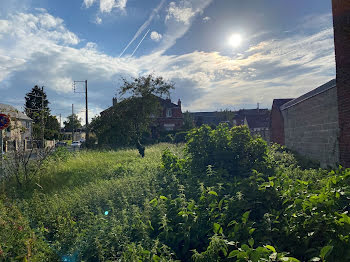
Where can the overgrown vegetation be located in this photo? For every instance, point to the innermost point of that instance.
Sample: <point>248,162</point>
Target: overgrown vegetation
<point>224,196</point>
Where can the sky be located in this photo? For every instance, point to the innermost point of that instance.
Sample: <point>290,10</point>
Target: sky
<point>286,49</point>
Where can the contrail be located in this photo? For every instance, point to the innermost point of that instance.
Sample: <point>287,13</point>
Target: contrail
<point>140,42</point>
<point>145,25</point>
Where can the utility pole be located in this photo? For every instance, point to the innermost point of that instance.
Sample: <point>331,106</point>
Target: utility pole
<point>2,156</point>
<point>86,106</point>
<point>42,119</point>
<point>72,123</point>
<point>87,112</point>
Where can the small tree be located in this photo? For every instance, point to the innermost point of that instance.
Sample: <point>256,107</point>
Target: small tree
<point>73,121</point>
<point>188,121</point>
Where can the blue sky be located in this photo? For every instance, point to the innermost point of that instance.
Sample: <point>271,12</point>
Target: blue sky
<point>287,49</point>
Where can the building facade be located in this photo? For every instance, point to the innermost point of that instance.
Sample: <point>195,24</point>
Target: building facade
<point>19,133</point>
<point>341,24</point>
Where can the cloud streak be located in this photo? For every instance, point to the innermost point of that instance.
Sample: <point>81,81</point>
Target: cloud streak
<point>144,26</point>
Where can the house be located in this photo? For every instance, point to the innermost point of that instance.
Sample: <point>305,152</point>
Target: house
<point>257,120</point>
<point>19,133</point>
<point>170,117</point>
<point>276,121</point>
<point>258,125</point>
<point>206,118</point>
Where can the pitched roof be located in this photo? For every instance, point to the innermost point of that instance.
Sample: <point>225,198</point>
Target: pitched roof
<point>166,103</point>
<point>279,102</point>
<point>312,93</point>
<point>258,121</point>
<point>13,112</point>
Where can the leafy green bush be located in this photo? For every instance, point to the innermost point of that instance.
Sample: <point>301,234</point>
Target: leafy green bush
<point>17,240</point>
<point>233,150</point>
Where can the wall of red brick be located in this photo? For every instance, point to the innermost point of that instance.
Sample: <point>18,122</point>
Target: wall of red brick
<point>341,21</point>
<point>277,126</point>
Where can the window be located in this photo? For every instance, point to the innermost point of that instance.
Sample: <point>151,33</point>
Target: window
<point>27,124</point>
<point>169,112</point>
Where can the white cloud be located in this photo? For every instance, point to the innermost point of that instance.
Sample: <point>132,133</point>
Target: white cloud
<point>88,3</point>
<point>179,19</point>
<point>182,13</point>
<point>98,20</point>
<point>155,36</point>
<point>106,6</point>
<point>41,50</point>
<point>206,19</point>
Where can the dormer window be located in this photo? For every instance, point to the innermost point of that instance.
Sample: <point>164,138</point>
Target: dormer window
<point>169,112</point>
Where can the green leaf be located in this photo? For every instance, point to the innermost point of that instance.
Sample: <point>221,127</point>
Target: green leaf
<point>233,253</point>
<point>245,217</point>
<point>251,242</point>
<point>154,202</point>
<point>251,231</point>
<point>163,197</point>
<point>325,251</point>
<point>216,228</point>
<point>213,193</point>
<point>271,248</point>
<point>156,258</point>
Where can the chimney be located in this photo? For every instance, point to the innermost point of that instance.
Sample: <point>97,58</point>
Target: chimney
<point>115,101</point>
<point>341,19</point>
<point>179,103</point>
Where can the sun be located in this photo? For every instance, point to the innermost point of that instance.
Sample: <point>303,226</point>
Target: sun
<point>235,40</point>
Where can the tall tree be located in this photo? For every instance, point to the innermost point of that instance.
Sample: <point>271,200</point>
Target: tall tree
<point>124,123</point>
<point>36,107</point>
<point>72,121</point>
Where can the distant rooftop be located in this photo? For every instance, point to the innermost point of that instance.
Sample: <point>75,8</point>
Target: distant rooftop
<point>13,112</point>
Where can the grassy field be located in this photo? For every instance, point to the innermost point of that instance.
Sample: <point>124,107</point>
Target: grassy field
<point>227,197</point>
<point>75,196</point>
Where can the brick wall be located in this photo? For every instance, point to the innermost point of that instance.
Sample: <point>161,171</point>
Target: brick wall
<point>277,122</point>
<point>277,126</point>
<point>341,21</point>
<point>311,125</point>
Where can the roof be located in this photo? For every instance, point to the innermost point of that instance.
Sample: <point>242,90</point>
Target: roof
<point>246,112</point>
<point>166,103</point>
<point>208,118</point>
<point>312,93</point>
<point>258,121</point>
<point>13,112</point>
<point>279,102</point>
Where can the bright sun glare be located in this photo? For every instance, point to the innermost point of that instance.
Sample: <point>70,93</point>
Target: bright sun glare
<point>235,40</point>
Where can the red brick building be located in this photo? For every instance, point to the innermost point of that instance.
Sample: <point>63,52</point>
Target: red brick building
<point>341,24</point>
<point>276,121</point>
<point>171,117</point>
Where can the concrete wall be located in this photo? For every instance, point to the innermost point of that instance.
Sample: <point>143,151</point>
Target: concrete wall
<point>311,125</point>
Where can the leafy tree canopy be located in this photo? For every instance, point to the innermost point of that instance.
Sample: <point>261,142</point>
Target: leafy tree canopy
<point>124,123</point>
<point>72,121</point>
<point>37,108</point>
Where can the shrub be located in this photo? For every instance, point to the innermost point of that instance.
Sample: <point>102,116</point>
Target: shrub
<point>234,150</point>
